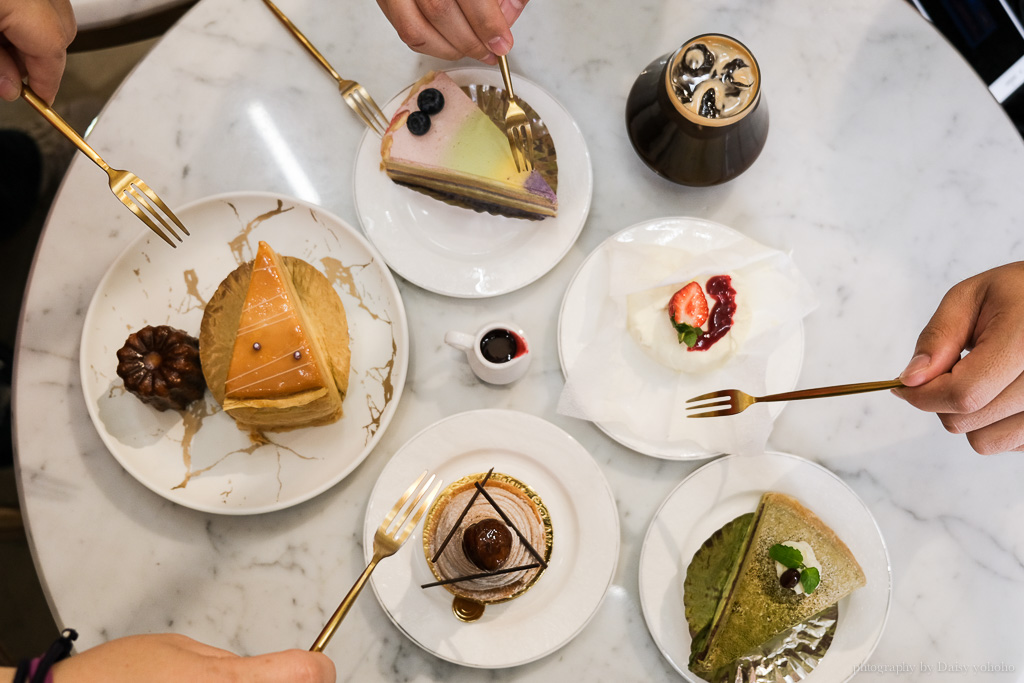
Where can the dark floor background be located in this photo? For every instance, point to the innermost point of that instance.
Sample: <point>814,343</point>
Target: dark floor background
<point>26,627</point>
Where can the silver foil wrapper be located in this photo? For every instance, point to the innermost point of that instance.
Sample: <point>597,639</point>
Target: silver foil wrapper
<point>790,656</point>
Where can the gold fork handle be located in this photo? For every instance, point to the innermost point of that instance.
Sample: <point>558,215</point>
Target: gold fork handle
<point>62,125</point>
<point>305,41</point>
<point>838,390</point>
<point>344,607</point>
<point>507,77</point>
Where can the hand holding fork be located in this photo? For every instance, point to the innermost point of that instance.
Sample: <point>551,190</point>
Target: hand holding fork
<point>125,185</point>
<point>386,542</point>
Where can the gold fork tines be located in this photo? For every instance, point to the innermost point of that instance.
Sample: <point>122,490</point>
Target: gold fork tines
<point>517,125</point>
<point>733,401</point>
<point>126,186</point>
<point>354,94</point>
<point>386,542</point>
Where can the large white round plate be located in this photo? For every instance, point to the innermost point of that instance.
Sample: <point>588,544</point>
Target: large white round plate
<point>729,487</point>
<point>199,458</point>
<point>585,528</point>
<point>579,321</point>
<point>459,252</point>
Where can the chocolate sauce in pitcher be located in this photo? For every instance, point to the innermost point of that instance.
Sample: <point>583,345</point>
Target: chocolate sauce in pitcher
<point>500,346</point>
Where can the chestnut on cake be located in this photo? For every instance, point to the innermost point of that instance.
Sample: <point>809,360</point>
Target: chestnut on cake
<point>440,140</point>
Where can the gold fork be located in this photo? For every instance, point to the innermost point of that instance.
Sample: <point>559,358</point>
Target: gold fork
<point>517,126</point>
<point>125,185</point>
<point>736,401</point>
<point>385,544</point>
<point>355,95</point>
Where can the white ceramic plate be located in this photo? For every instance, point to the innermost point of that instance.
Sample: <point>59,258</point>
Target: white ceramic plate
<point>729,487</point>
<point>579,322</point>
<point>199,458</point>
<point>585,546</point>
<point>459,252</point>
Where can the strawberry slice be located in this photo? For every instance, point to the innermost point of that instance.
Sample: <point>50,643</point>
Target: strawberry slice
<point>688,310</point>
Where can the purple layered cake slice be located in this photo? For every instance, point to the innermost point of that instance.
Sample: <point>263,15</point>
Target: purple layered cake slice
<point>441,141</point>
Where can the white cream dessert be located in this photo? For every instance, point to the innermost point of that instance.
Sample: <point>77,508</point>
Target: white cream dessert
<point>809,560</point>
<point>440,140</point>
<point>482,543</point>
<point>650,326</point>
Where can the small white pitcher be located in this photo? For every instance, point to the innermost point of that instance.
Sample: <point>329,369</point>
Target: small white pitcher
<point>498,353</point>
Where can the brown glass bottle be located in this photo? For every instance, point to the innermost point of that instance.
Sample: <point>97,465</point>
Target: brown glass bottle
<point>680,144</point>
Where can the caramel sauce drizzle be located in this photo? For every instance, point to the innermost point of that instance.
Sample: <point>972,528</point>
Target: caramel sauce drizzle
<point>344,278</point>
<point>240,245</point>
<point>193,421</point>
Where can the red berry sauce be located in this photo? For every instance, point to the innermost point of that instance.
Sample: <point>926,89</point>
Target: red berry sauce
<point>721,318</point>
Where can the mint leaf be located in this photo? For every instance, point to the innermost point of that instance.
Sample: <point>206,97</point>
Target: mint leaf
<point>787,556</point>
<point>809,579</point>
<point>688,334</point>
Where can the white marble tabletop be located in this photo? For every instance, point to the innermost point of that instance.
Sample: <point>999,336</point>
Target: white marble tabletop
<point>890,174</point>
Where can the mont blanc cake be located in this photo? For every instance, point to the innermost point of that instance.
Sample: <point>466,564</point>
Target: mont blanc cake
<point>487,548</point>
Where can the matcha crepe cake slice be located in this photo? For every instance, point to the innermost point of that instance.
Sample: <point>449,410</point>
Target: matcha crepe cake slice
<point>753,604</point>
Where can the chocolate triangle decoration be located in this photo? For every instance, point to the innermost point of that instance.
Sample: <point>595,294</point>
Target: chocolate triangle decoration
<point>480,490</point>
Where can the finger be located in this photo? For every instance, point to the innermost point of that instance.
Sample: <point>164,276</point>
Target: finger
<point>65,14</point>
<point>511,9</point>
<point>451,21</point>
<point>994,363</point>
<point>416,31</point>
<point>946,334</point>
<point>10,76</point>
<point>1000,437</point>
<point>298,666</point>
<point>1009,402</point>
<point>189,644</point>
<point>488,23</point>
<point>44,75</point>
<point>39,34</point>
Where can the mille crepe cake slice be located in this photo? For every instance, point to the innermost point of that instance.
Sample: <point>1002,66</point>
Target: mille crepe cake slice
<point>289,356</point>
<point>754,607</point>
<point>462,155</point>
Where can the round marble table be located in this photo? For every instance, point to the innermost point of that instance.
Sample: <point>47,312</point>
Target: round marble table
<point>889,174</point>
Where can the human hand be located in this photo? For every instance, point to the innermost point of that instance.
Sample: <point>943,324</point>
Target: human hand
<point>172,658</point>
<point>34,38</point>
<point>981,395</point>
<point>452,29</point>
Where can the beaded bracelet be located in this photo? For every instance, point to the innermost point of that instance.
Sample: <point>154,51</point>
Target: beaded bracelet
<point>38,670</point>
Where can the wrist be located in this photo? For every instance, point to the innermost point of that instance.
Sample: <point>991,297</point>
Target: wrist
<point>38,670</point>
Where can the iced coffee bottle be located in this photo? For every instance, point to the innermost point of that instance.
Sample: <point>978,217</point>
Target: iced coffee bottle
<point>696,116</point>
